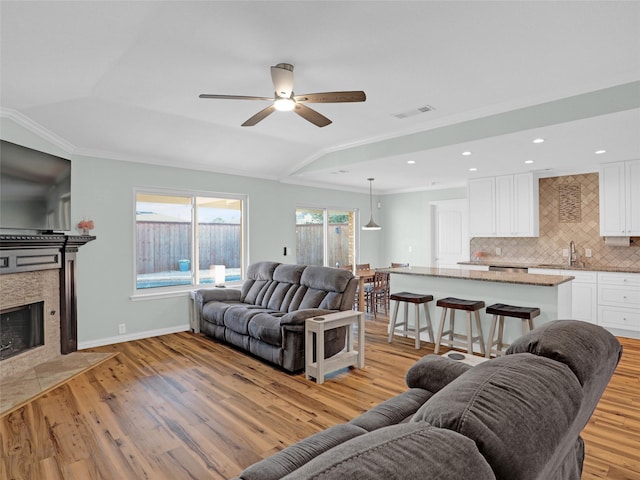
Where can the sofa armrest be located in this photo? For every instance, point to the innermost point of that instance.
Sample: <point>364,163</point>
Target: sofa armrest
<point>218,295</point>
<point>299,316</point>
<point>433,372</point>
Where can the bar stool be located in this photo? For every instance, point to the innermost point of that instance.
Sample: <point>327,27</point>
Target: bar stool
<point>417,299</point>
<point>453,304</point>
<point>499,311</point>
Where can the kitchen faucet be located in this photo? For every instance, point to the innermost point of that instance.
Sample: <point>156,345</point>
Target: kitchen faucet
<point>573,256</point>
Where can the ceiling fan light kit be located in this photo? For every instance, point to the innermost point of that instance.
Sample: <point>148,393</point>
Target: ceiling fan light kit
<point>285,101</point>
<point>371,225</point>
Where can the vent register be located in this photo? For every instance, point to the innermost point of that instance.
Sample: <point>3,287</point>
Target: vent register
<point>413,112</point>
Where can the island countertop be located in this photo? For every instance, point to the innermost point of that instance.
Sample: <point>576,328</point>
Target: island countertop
<point>500,277</point>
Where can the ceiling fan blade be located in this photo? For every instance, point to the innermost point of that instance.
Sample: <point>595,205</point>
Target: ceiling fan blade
<point>234,97</point>
<point>258,117</point>
<point>282,77</point>
<point>332,97</point>
<point>311,115</point>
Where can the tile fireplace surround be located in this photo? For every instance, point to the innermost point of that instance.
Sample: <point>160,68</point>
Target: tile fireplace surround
<point>35,268</point>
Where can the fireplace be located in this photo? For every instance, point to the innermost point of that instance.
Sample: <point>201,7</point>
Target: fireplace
<point>37,270</point>
<point>21,329</point>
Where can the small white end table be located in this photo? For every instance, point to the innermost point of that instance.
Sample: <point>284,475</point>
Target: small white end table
<point>346,358</point>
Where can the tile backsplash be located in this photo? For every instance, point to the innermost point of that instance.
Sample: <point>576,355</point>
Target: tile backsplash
<point>557,229</point>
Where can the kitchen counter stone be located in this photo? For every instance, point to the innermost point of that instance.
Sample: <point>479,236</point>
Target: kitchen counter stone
<point>556,266</point>
<point>501,277</point>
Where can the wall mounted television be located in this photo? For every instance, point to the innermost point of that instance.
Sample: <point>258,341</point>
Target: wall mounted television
<point>35,190</point>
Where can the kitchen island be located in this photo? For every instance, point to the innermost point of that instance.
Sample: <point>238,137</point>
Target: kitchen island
<point>550,293</point>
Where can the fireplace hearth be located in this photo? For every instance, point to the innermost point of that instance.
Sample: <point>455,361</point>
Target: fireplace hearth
<point>21,329</point>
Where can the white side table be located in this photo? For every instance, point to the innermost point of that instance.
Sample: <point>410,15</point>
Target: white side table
<point>346,358</point>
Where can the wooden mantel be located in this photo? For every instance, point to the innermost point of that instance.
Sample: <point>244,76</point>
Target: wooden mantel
<point>27,253</point>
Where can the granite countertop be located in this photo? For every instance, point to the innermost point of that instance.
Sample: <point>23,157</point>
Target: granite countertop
<point>500,277</point>
<point>550,266</point>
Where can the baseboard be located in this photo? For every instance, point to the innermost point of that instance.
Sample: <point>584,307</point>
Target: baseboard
<point>132,336</point>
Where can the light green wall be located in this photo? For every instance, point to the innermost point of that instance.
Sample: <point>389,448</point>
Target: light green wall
<point>406,221</point>
<point>102,190</point>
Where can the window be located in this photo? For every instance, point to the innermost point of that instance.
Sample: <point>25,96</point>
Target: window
<point>325,236</point>
<point>183,239</point>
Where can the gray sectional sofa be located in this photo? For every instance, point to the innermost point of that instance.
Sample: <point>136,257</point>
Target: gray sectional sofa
<point>517,417</point>
<point>266,316</point>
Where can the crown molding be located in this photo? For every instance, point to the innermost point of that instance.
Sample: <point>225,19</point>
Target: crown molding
<point>37,129</point>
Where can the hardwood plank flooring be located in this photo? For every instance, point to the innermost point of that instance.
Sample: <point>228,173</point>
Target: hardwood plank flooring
<point>183,406</point>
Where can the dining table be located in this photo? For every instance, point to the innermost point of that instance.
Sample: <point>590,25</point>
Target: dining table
<point>364,277</point>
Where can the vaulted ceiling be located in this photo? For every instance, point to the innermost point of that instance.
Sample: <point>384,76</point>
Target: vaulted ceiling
<point>121,80</point>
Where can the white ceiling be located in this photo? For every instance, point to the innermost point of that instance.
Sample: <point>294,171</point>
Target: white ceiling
<point>121,80</point>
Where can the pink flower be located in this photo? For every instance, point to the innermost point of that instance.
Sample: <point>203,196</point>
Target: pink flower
<point>86,225</point>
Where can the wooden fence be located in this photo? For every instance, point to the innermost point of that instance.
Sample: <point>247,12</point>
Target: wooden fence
<point>309,240</point>
<point>160,245</point>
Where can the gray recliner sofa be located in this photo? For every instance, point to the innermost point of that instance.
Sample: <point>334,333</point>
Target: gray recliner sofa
<point>267,315</point>
<point>517,417</point>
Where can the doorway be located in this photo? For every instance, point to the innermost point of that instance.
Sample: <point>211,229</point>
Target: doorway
<point>449,230</point>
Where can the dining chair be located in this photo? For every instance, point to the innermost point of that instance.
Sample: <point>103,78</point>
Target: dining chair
<point>380,290</point>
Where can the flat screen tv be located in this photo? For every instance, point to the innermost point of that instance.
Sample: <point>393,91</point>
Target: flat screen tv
<point>35,190</point>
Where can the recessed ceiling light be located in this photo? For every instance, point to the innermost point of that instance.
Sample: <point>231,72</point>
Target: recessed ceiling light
<point>466,154</point>
<point>473,169</point>
<point>539,140</point>
<point>528,161</point>
<point>411,162</point>
<point>599,152</point>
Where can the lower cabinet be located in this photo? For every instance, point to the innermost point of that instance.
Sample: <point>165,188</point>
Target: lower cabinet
<point>619,300</point>
<point>584,292</point>
<point>584,295</point>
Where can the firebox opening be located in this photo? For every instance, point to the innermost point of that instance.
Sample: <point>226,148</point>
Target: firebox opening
<point>21,329</point>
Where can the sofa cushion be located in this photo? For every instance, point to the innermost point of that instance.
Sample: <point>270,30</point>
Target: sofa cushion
<point>266,328</point>
<point>237,317</point>
<point>395,410</point>
<point>433,372</point>
<point>213,312</point>
<point>518,409</point>
<point>399,452</point>
<point>587,349</point>
<point>293,457</point>
<point>326,279</point>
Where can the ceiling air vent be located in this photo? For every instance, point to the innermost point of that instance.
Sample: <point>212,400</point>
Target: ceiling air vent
<point>414,111</point>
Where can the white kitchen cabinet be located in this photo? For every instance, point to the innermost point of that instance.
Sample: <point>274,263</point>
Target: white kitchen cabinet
<point>584,295</point>
<point>504,206</point>
<point>619,300</point>
<point>620,199</point>
<point>584,292</point>
<point>517,206</point>
<point>482,207</point>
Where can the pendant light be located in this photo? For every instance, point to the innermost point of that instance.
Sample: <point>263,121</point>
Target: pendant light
<point>371,225</point>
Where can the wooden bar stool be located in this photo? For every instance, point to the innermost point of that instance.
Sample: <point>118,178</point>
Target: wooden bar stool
<point>499,311</point>
<point>454,339</point>
<point>417,299</point>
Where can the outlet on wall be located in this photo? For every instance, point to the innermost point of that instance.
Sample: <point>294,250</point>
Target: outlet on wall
<point>587,252</point>
<point>122,328</point>
<point>498,251</point>
<point>565,252</point>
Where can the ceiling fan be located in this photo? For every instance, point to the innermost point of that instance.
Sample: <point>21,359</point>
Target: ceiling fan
<point>285,100</point>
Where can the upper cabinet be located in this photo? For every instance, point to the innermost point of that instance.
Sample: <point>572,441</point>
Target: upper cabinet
<point>620,199</point>
<point>504,206</point>
<point>482,207</point>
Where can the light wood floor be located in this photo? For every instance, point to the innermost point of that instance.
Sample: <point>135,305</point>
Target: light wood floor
<point>185,407</point>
